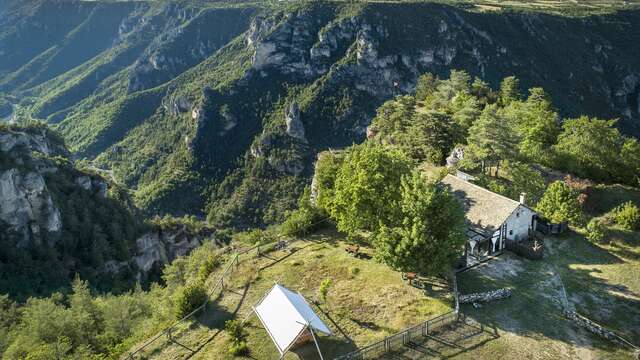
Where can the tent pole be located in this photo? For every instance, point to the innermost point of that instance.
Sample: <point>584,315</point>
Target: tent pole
<point>316,342</point>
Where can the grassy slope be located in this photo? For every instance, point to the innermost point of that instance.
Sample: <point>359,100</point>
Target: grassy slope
<point>363,307</point>
<point>531,321</point>
<point>373,303</point>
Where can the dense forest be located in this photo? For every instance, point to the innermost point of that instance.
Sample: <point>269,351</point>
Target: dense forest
<point>383,192</point>
<point>148,140</point>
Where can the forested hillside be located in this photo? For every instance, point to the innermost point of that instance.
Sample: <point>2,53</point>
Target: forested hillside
<point>218,109</point>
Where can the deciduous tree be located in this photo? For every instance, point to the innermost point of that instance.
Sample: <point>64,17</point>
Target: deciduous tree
<point>430,230</point>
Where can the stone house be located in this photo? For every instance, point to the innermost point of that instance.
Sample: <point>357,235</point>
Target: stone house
<point>492,219</point>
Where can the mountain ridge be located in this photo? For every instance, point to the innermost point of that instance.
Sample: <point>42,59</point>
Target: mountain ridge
<point>188,106</point>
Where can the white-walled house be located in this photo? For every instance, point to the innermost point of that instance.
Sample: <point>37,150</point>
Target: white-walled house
<point>491,218</point>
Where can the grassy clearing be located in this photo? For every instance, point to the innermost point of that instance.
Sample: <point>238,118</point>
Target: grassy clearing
<point>598,283</point>
<point>366,301</point>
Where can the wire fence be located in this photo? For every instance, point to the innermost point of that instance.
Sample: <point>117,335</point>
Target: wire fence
<point>166,335</point>
<point>399,340</point>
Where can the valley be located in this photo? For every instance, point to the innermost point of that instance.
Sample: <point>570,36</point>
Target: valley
<point>164,164</point>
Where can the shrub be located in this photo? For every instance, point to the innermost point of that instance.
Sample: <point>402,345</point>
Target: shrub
<point>324,289</point>
<point>238,348</point>
<point>627,215</point>
<point>596,230</point>
<point>237,345</point>
<point>353,271</point>
<point>210,264</point>
<point>188,299</point>
<point>305,219</point>
<point>234,329</point>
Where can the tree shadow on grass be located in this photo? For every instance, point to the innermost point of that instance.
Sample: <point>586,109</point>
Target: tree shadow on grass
<point>214,317</point>
<point>535,310</point>
<point>330,346</point>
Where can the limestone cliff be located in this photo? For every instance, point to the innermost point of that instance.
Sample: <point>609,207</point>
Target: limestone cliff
<point>59,218</point>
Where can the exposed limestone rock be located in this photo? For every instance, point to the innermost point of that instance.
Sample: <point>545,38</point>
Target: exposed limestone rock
<point>26,205</point>
<point>291,166</point>
<point>228,120</point>
<point>96,186</point>
<point>454,158</point>
<point>485,296</point>
<point>178,105</point>
<point>163,246</point>
<point>258,149</point>
<point>84,182</point>
<point>34,140</point>
<point>295,128</point>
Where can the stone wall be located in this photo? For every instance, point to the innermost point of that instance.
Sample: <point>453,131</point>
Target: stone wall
<point>601,331</point>
<point>485,296</point>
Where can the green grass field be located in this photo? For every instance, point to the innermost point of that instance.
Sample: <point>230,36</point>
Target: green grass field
<point>366,302</point>
<point>598,284</point>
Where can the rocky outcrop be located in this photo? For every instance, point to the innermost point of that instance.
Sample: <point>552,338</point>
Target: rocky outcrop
<point>26,206</point>
<point>92,184</point>
<point>485,296</point>
<point>161,246</point>
<point>295,128</point>
<point>188,36</point>
<point>457,154</point>
<point>18,143</point>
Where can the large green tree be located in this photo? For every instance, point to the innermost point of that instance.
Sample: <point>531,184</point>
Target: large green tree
<point>430,137</point>
<point>429,233</point>
<point>590,148</point>
<point>367,188</point>
<point>491,140</point>
<point>560,203</point>
<point>536,123</point>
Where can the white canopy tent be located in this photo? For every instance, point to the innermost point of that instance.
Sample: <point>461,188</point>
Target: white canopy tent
<point>287,317</point>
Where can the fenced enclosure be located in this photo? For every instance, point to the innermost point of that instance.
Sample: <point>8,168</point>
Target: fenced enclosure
<point>402,339</point>
<point>410,336</point>
<point>167,335</point>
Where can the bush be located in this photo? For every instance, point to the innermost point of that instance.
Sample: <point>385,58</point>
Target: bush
<point>596,230</point>
<point>189,299</point>
<point>210,264</point>
<point>560,203</point>
<point>238,348</point>
<point>324,289</point>
<point>353,271</point>
<point>627,215</point>
<point>305,219</point>
<point>234,329</point>
<point>237,345</point>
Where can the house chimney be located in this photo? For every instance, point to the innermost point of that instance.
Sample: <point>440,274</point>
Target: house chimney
<point>523,198</point>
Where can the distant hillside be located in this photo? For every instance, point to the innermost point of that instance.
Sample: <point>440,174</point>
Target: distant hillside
<point>219,108</point>
<point>60,218</point>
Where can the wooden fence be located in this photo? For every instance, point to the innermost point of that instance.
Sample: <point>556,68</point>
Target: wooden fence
<point>401,339</point>
<point>219,286</point>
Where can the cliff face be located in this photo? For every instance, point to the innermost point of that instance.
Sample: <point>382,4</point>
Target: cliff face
<point>195,106</point>
<point>26,205</point>
<point>58,220</point>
